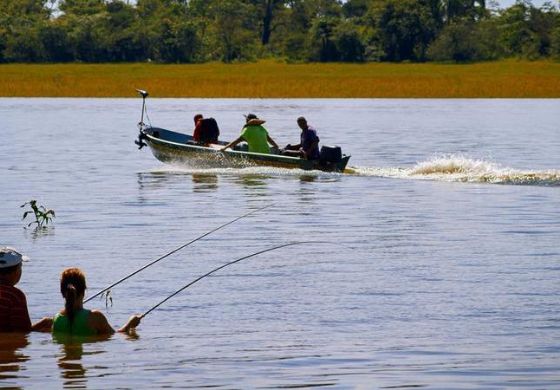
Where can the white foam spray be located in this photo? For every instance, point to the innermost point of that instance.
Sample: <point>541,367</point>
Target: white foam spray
<point>448,168</point>
<point>460,168</point>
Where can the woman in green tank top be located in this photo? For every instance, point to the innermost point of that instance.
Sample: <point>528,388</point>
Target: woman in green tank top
<point>76,320</point>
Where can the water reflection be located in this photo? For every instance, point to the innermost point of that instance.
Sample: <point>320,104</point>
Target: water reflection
<point>204,182</point>
<point>252,180</point>
<point>39,231</point>
<point>308,178</point>
<point>11,354</point>
<point>154,180</point>
<point>306,197</point>
<point>209,180</point>
<point>72,370</point>
<point>150,181</point>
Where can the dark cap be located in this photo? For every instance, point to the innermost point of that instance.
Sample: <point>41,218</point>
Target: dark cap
<point>248,117</point>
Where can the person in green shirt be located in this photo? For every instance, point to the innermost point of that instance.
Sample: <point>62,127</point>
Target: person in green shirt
<point>255,135</point>
<point>76,320</point>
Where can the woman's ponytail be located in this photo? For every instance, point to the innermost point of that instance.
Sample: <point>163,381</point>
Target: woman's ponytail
<point>70,296</point>
<point>72,285</point>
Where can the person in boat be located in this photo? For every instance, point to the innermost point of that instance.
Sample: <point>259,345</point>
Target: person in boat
<point>308,147</point>
<point>206,130</point>
<point>197,127</point>
<point>14,315</point>
<point>76,320</point>
<point>255,135</point>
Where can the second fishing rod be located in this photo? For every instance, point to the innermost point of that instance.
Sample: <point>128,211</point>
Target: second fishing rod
<point>138,318</point>
<point>172,252</point>
<point>224,266</point>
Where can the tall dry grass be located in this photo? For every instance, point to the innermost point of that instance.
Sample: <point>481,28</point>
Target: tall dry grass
<point>270,79</point>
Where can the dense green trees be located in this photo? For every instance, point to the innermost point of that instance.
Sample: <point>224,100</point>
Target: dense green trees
<point>185,31</point>
<point>402,29</point>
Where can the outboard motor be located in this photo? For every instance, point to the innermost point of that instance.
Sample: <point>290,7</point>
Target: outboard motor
<point>330,154</point>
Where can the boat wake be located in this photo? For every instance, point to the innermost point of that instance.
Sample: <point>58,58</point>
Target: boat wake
<point>241,171</point>
<point>447,168</point>
<point>458,168</point>
<point>218,165</point>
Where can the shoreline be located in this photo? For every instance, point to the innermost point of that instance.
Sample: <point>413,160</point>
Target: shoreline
<point>271,79</point>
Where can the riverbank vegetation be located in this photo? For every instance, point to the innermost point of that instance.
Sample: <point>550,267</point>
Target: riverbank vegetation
<point>279,48</point>
<point>272,79</point>
<point>196,31</point>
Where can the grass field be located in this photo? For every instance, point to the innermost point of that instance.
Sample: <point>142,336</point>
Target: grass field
<point>270,79</point>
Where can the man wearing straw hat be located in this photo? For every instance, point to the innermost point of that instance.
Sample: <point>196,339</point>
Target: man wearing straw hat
<point>255,135</point>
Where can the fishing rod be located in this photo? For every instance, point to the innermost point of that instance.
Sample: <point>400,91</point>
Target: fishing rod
<point>173,251</point>
<point>223,266</point>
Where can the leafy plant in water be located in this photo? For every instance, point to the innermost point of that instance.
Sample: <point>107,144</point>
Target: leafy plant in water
<point>42,215</point>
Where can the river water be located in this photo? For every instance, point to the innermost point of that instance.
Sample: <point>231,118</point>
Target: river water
<point>438,267</point>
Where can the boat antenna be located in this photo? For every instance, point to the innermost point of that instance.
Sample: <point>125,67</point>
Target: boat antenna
<point>175,250</point>
<point>144,95</point>
<point>141,125</point>
<point>223,266</point>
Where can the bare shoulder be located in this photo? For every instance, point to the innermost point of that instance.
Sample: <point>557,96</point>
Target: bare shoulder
<point>98,321</point>
<point>96,315</point>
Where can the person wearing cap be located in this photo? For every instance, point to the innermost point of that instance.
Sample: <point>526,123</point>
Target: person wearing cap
<point>308,148</point>
<point>255,135</point>
<point>14,316</point>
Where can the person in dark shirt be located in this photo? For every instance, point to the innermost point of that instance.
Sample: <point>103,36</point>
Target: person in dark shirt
<point>308,148</point>
<point>14,316</point>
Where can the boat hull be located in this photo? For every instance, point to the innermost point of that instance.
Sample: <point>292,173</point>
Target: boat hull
<point>172,147</point>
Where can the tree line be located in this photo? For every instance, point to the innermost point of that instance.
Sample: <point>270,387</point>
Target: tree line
<point>192,31</point>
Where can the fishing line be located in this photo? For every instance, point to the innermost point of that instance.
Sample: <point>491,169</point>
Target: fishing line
<point>223,266</point>
<point>174,251</point>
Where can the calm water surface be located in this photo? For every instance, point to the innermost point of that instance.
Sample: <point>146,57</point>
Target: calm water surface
<point>441,268</point>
